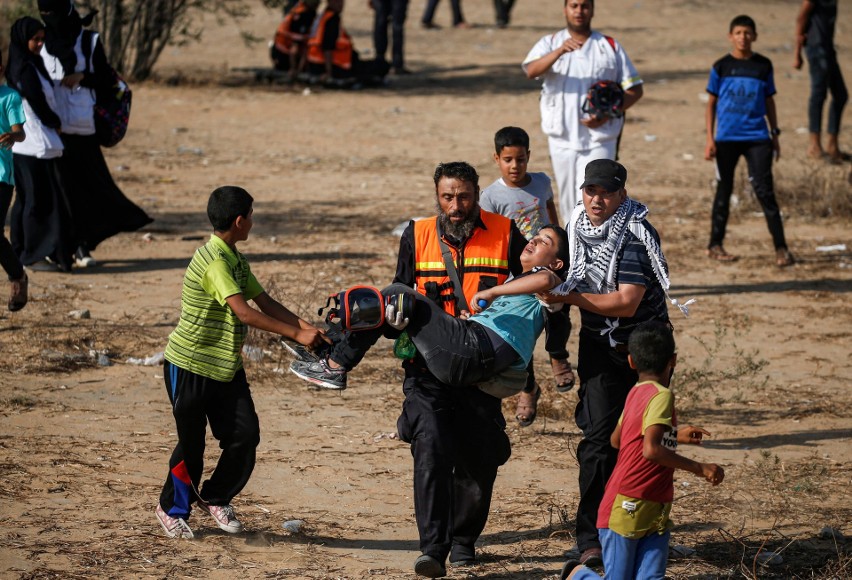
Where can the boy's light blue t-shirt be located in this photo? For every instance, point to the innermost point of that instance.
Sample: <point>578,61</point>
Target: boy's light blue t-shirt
<point>518,320</point>
<point>527,205</point>
<point>11,113</point>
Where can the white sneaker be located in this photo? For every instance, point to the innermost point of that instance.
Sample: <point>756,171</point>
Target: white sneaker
<point>224,516</point>
<point>174,527</point>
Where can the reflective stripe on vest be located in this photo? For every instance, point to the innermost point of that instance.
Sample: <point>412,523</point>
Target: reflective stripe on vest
<point>485,254</point>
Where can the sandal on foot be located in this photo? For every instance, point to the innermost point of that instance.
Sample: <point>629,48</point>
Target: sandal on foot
<point>784,258</point>
<point>563,374</point>
<point>527,407</point>
<point>719,253</point>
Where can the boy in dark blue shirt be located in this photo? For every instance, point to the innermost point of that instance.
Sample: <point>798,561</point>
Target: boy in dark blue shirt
<point>741,88</point>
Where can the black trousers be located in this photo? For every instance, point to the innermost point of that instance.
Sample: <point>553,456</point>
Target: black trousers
<point>432,5</point>
<point>758,155</point>
<point>458,441</point>
<point>391,12</point>
<point>41,220</point>
<point>10,262</point>
<point>605,380</point>
<point>825,76</point>
<point>557,327</point>
<point>503,11</point>
<point>229,409</point>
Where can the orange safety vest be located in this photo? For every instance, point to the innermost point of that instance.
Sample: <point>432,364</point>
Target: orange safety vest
<point>284,37</point>
<point>482,261</point>
<point>342,54</point>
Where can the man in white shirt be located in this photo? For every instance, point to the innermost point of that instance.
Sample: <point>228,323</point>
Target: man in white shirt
<point>570,62</point>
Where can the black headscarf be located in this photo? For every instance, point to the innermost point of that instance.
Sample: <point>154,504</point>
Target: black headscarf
<point>63,25</point>
<point>19,54</point>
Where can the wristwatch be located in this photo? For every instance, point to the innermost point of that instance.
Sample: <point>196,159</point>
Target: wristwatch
<point>775,132</point>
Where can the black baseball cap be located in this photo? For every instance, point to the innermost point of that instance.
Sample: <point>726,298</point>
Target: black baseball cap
<point>606,173</point>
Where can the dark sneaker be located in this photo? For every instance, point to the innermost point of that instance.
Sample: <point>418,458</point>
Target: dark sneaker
<point>461,556</point>
<point>426,565</point>
<point>301,353</point>
<point>174,527</point>
<point>320,374</point>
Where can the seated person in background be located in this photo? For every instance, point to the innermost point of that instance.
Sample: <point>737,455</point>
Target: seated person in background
<point>291,39</point>
<point>499,336</point>
<point>331,57</point>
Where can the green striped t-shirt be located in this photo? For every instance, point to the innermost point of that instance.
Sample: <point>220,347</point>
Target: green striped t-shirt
<point>209,337</point>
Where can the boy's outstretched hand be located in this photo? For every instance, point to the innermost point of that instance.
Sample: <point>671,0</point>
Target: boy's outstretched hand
<point>691,435</point>
<point>712,473</point>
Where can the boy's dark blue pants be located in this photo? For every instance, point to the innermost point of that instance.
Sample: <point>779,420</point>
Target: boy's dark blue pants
<point>229,409</point>
<point>606,378</point>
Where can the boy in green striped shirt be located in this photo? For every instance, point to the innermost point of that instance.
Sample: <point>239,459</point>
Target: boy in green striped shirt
<point>204,374</point>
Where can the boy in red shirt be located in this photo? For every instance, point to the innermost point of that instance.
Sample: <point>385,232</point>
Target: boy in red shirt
<point>633,520</point>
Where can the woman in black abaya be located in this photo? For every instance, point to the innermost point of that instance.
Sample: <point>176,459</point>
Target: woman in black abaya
<point>98,207</point>
<point>41,229</point>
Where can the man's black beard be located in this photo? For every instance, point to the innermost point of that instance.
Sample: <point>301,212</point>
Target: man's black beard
<point>458,231</point>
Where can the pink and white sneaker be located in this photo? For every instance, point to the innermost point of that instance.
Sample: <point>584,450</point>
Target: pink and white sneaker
<point>224,516</point>
<point>174,527</point>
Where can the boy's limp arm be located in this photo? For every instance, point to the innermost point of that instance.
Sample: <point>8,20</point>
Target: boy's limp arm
<point>532,284</point>
<point>653,450</point>
<point>274,317</point>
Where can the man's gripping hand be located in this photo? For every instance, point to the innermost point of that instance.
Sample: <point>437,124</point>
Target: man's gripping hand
<point>394,318</point>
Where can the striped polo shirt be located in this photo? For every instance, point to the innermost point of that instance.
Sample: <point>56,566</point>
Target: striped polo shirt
<point>209,337</point>
<point>634,267</point>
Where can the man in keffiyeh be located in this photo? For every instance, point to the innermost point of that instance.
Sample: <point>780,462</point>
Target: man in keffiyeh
<point>619,279</point>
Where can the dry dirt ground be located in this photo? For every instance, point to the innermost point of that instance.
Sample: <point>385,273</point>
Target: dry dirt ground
<point>765,357</point>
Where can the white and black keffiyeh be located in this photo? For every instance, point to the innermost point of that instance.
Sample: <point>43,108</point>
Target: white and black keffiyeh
<point>594,250</point>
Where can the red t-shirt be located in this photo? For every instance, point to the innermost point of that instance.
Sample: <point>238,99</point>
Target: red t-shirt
<point>634,476</point>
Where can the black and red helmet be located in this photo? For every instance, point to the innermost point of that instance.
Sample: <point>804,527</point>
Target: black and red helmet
<point>605,100</point>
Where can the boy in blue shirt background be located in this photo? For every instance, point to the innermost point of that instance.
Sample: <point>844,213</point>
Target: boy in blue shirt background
<point>741,88</point>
